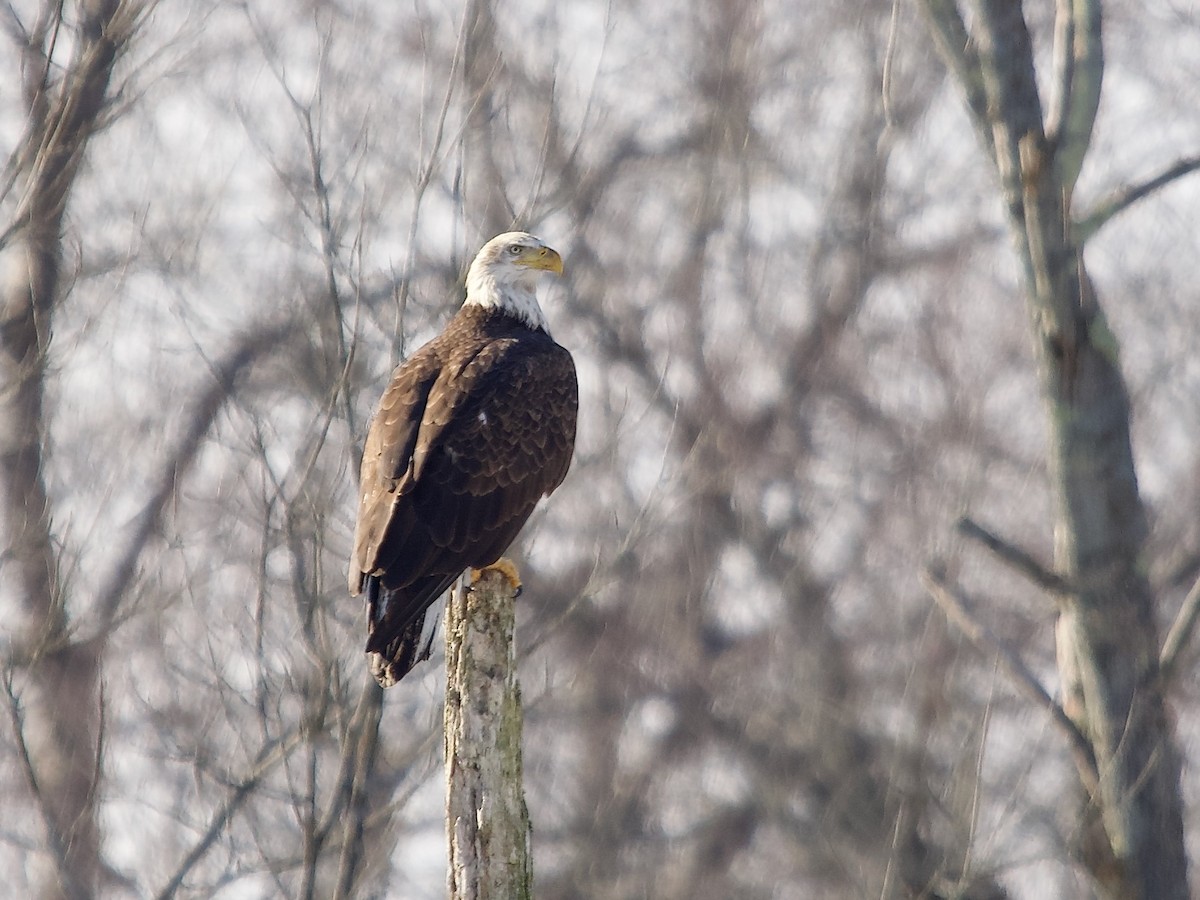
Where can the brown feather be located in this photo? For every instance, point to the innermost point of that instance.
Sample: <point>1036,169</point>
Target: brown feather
<point>474,428</point>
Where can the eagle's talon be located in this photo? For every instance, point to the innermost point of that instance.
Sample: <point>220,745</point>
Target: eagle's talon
<point>508,571</point>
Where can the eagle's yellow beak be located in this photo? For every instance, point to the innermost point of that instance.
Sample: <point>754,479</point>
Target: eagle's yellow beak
<point>541,258</point>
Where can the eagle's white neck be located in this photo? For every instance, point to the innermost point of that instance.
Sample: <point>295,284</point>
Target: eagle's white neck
<point>517,297</point>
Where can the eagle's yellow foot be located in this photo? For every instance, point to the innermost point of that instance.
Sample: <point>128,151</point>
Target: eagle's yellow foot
<point>507,568</point>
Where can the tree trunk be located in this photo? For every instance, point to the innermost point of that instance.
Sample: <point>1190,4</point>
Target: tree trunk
<point>1132,833</point>
<point>487,822</point>
<point>57,712</point>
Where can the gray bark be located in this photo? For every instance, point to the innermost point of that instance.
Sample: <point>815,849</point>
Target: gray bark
<point>1132,829</point>
<point>57,716</point>
<point>487,822</point>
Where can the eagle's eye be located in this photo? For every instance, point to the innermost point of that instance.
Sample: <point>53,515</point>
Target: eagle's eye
<point>515,249</point>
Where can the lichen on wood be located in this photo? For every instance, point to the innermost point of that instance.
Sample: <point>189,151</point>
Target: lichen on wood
<point>487,821</point>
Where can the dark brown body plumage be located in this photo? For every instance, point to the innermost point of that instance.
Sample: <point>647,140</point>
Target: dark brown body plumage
<point>474,428</point>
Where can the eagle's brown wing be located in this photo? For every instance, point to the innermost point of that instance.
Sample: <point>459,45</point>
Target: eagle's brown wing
<point>496,432</point>
<point>386,469</point>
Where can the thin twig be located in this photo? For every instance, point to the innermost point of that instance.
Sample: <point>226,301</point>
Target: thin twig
<point>364,740</point>
<point>889,60</point>
<point>1180,634</point>
<point>54,837</point>
<point>1014,556</point>
<point>958,51</point>
<point>203,413</point>
<point>955,606</point>
<point>1123,198</point>
<point>272,753</point>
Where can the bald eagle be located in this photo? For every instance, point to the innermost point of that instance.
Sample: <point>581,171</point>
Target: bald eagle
<point>474,429</point>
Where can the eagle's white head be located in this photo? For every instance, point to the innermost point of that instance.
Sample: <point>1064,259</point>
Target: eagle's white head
<point>504,276</point>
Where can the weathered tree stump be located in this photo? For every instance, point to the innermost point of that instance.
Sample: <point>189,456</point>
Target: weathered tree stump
<point>487,822</point>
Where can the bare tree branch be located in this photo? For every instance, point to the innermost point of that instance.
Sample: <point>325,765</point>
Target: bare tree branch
<point>1064,68</point>
<point>959,53</point>
<point>955,606</point>
<point>204,412</point>
<point>1079,65</point>
<point>1122,199</point>
<point>1180,634</point>
<point>1014,556</point>
<point>363,749</point>
<point>272,753</point>
<point>54,837</point>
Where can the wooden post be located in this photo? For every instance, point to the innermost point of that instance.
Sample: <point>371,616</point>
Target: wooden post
<point>487,822</point>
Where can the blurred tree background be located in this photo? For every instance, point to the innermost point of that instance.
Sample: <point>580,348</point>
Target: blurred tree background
<point>804,355</point>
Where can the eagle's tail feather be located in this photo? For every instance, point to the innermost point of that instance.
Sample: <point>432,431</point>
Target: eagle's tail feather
<point>401,626</point>
<point>413,645</point>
